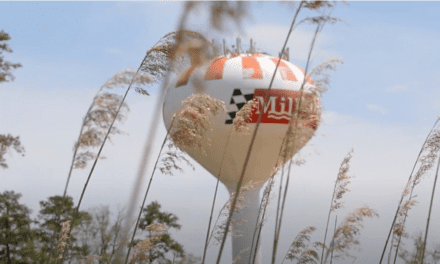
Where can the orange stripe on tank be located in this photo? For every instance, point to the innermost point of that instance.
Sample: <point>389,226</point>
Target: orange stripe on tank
<point>309,80</point>
<point>251,64</point>
<point>285,71</point>
<point>184,77</point>
<point>215,70</point>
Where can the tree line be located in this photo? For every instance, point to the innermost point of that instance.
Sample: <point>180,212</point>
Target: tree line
<point>94,236</point>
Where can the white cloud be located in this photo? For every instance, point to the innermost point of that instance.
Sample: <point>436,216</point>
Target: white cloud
<point>113,51</point>
<point>398,88</point>
<point>378,108</point>
<point>271,37</point>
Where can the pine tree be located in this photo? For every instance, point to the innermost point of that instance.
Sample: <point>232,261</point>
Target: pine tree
<point>16,235</point>
<point>54,212</point>
<point>6,66</point>
<point>7,141</point>
<point>152,214</point>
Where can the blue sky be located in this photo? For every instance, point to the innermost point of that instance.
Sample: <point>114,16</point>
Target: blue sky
<point>382,100</point>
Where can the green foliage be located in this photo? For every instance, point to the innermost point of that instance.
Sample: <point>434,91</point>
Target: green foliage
<point>6,66</point>
<point>100,234</point>
<point>53,213</point>
<point>415,256</point>
<point>15,232</point>
<point>151,215</point>
<point>7,142</point>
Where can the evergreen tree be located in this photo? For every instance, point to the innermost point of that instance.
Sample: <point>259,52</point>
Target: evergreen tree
<point>16,236</point>
<point>6,66</point>
<point>7,141</point>
<point>54,212</point>
<point>152,214</point>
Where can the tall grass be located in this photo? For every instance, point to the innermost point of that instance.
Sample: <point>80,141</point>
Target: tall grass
<point>164,58</point>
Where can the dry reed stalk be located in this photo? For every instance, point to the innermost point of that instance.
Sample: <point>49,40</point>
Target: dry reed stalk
<point>111,84</point>
<point>192,122</point>
<point>215,197</point>
<point>99,116</point>
<point>263,206</point>
<point>430,210</point>
<point>169,162</point>
<point>253,140</point>
<point>91,258</point>
<point>321,85</point>
<point>241,120</point>
<point>141,249</point>
<point>293,136</point>
<point>342,180</point>
<point>334,232</point>
<point>220,229</point>
<point>298,249</point>
<point>345,236</point>
<point>406,190</point>
<point>176,40</point>
<point>145,198</point>
<point>62,242</point>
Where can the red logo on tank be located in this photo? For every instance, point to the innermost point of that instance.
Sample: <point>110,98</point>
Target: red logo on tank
<point>280,105</point>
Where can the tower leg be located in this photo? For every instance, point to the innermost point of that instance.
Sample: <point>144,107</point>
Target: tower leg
<point>243,231</point>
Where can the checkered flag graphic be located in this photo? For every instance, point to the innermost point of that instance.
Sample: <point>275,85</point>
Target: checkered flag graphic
<point>238,100</point>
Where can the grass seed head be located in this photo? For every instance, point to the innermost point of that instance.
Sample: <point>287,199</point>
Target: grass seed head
<point>243,116</point>
<point>193,121</point>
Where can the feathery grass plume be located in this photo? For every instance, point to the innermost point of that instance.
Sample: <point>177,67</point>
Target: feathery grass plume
<point>243,116</point>
<point>222,11</point>
<point>215,196</point>
<point>219,229</point>
<point>430,210</point>
<point>171,54</point>
<point>196,56</point>
<point>142,249</point>
<point>169,164</point>
<point>253,140</point>
<point>307,118</point>
<point>399,227</point>
<point>432,145</point>
<point>98,121</point>
<point>321,78</point>
<point>7,142</point>
<point>125,77</point>
<point>261,218</point>
<point>163,54</point>
<point>171,158</point>
<point>408,190</point>
<point>297,131</point>
<point>91,259</point>
<point>64,235</point>
<point>300,244</point>
<point>346,235</point>
<point>104,108</point>
<point>192,122</point>
<point>321,19</point>
<point>342,180</point>
<point>415,256</point>
<point>238,257</point>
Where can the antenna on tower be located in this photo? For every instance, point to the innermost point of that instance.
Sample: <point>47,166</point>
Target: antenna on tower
<point>224,47</point>
<point>251,48</point>
<point>285,55</point>
<point>238,46</point>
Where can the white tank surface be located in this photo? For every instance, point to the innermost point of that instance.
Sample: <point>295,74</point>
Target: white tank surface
<point>236,79</point>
